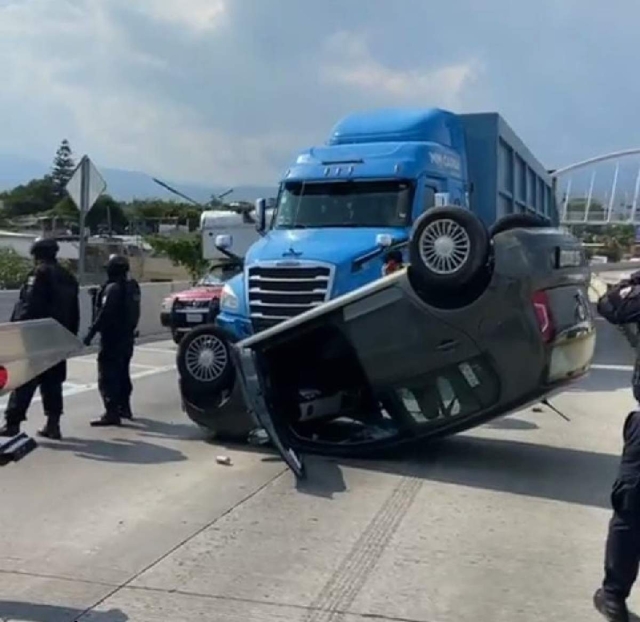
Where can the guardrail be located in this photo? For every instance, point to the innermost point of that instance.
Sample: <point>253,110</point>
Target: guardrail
<point>152,296</point>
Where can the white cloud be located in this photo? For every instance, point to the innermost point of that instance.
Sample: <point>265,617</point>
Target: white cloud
<point>350,63</point>
<point>228,90</point>
<point>199,16</point>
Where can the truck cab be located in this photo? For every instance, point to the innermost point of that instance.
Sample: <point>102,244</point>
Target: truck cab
<point>344,208</point>
<point>341,208</point>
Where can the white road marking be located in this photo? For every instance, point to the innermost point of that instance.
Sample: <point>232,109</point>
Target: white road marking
<point>612,367</point>
<point>71,389</point>
<point>158,350</point>
<point>94,362</point>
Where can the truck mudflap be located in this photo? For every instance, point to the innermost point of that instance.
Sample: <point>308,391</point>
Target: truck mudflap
<point>247,376</point>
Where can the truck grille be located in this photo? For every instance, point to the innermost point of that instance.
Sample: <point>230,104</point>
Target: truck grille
<point>277,293</point>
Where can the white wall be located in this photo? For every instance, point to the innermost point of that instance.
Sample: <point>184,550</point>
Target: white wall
<point>152,296</point>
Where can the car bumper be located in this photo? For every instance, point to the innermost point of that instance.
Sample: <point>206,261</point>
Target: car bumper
<point>571,357</point>
<point>182,320</point>
<point>235,325</point>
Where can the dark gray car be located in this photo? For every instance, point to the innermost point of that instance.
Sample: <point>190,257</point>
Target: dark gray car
<point>472,329</point>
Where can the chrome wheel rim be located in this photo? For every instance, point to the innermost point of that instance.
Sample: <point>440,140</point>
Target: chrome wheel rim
<point>206,358</point>
<point>445,246</point>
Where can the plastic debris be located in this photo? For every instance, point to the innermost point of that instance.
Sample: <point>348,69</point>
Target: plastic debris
<point>223,460</point>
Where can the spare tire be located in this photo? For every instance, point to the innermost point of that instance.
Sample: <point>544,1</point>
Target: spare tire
<point>448,247</point>
<point>204,361</point>
<point>519,221</point>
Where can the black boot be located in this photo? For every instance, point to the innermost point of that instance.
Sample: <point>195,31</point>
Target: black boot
<point>613,609</point>
<point>51,429</point>
<point>126,413</point>
<point>10,429</point>
<point>108,419</point>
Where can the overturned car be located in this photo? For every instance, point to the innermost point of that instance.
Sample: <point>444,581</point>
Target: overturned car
<point>479,323</point>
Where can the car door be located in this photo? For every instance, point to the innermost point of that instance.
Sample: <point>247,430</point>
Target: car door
<point>247,375</point>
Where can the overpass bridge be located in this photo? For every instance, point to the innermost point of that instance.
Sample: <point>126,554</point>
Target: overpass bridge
<point>601,190</point>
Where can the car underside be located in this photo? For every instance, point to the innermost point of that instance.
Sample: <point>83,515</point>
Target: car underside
<point>413,356</point>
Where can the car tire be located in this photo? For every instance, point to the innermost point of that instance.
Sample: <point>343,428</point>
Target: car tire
<point>448,247</point>
<point>204,360</point>
<point>519,221</point>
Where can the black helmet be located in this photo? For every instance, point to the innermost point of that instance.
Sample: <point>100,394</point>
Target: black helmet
<point>117,265</point>
<point>45,248</point>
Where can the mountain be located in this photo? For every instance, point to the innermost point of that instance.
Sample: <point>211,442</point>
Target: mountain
<point>124,185</point>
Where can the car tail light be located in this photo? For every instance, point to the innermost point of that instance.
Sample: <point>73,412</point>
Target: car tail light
<point>541,307</point>
<point>4,377</point>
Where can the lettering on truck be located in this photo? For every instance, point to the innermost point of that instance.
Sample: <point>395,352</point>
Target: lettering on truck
<point>444,160</point>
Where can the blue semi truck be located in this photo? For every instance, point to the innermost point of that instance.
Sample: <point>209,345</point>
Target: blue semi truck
<point>343,207</point>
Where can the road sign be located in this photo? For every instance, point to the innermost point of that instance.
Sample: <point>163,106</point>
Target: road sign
<point>86,185</point>
<point>84,188</point>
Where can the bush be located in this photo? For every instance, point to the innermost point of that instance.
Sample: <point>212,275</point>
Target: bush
<point>13,269</point>
<point>185,251</point>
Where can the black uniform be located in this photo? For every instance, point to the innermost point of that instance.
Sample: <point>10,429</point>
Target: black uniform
<point>621,306</point>
<point>50,292</point>
<point>117,316</point>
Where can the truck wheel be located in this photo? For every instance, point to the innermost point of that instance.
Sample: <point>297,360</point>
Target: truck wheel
<point>519,221</point>
<point>204,360</point>
<point>448,247</point>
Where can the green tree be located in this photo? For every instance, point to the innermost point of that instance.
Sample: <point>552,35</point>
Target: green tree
<point>106,211</point>
<point>65,209</point>
<point>32,198</point>
<point>63,168</point>
<point>13,269</point>
<point>184,250</point>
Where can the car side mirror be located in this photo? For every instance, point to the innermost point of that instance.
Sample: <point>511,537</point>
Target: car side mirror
<point>261,213</point>
<point>224,241</point>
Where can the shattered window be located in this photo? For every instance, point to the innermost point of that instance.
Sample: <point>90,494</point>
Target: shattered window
<point>457,391</point>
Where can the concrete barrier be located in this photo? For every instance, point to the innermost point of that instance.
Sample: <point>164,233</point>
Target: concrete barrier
<point>152,296</point>
<point>154,293</point>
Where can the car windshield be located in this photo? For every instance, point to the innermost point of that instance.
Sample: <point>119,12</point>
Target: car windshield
<point>210,279</point>
<point>344,204</point>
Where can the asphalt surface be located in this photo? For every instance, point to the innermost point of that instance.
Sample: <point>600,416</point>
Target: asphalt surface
<point>140,524</point>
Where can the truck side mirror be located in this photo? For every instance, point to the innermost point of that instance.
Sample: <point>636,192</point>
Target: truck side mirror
<point>261,213</point>
<point>384,240</point>
<point>224,241</point>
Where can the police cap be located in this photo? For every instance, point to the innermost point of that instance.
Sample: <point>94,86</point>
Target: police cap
<point>45,248</point>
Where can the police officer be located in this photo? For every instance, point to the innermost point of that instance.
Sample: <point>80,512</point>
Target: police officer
<point>50,291</point>
<point>622,551</point>
<point>116,320</point>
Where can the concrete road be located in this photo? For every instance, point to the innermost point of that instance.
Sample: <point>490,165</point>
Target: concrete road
<point>140,524</point>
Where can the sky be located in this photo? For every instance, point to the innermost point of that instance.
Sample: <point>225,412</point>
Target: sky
<point>227,91</point>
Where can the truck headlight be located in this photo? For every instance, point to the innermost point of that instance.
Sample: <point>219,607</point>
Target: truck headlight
<point>228,299</point>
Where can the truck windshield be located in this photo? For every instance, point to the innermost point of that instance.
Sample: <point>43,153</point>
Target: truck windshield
<point>344,204</point>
